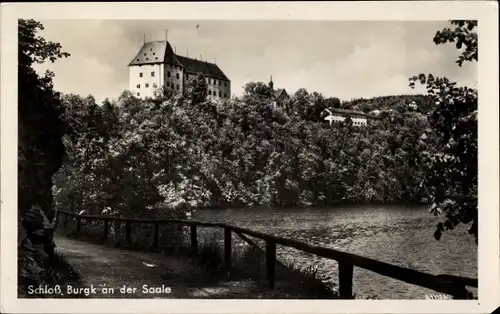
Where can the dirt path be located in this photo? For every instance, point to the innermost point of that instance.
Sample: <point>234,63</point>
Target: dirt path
<point>170,276</point>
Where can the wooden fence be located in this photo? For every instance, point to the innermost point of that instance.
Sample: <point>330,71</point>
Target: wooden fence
<point>447,284</point>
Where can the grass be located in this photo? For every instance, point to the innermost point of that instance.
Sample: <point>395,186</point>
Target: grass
<point>248,263</point>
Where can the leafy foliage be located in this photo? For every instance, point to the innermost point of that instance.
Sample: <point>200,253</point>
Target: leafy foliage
<point>37,106</point>
<point>40,154</point>
<point>464,37</point>
<point>184,151</point>
<point>451,174</point>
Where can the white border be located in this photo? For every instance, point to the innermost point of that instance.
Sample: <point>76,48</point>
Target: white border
<point>488,258</point>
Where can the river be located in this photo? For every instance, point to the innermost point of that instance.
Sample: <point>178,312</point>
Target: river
<point>394,234</point>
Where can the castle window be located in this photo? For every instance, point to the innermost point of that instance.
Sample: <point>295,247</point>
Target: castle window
<point>154,85</point>
<point>140,74</point>
<point>168,73</point>
<point>154,53</point>
<point>210,92</point>
<point>147,59</point>
<point>156,58</point>
<point>138,94</point>
<point>177,75</point>
<point>177,86</point>
<point>153,73</point>
<point>138,85</point>
<point>168,84</point>
<point>137,59</point>
<point>219,83</point>
<point>220,94</point>
<point>147,85</point>
<point>225,95</point>
<point>225,84</point>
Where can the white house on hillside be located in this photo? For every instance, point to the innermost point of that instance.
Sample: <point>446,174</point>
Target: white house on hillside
<point>332,115</point>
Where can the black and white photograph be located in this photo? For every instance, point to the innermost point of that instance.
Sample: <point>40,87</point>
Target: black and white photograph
<point>209,158</point>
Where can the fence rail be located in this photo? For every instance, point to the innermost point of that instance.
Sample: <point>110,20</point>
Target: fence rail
<point>447,284</point>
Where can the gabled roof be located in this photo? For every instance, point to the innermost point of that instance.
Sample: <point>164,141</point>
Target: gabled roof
<point>150,53</point>
<point>279,92</point>
<point>204,67</point>
<point>157,52</point>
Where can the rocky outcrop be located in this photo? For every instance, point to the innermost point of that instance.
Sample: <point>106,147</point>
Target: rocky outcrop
<point>40,156</point>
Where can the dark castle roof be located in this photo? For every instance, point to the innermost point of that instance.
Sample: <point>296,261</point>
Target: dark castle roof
<point>204,67</point>
<point>150,53</point>
<point>156,52</point>
<point>279,92</point>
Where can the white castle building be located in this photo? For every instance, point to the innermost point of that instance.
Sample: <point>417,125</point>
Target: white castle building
<point>157,65</point>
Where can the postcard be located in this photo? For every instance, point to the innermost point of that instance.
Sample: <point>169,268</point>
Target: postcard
<point>257,157</point>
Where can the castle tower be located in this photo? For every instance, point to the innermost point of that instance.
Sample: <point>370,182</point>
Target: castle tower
<point>271,84</point>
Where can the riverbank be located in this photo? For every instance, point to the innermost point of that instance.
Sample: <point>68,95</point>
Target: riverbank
<point>247,269</point>
<point>174,276</point>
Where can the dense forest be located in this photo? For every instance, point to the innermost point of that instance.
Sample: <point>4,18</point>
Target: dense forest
<point>184,151</point>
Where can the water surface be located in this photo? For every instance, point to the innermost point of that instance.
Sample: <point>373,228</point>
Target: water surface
<point>394,234</point>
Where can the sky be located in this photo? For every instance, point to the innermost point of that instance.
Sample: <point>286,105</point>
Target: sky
<point>344,59</point>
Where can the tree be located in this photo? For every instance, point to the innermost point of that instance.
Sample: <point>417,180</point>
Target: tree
<point>258,92</point>
<point>464,37</point>
<point>451,179</point>
<point>40,153</point>
<point>197,89</point>
<point>332,102</point>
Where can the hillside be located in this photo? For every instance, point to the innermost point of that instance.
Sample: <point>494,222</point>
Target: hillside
<point>424,103</point>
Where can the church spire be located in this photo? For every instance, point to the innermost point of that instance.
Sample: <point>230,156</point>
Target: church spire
<point>271,84</point>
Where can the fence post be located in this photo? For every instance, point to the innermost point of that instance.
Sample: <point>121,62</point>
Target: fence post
<point>78,223</point>
<point>156,237</point>
<point>227,247</point>
<point>106,228</point>
<point>345,280</point>
<point>194,240</point>
<point>270,262</point>
<point>128,233</point>
<point>58,217</point>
